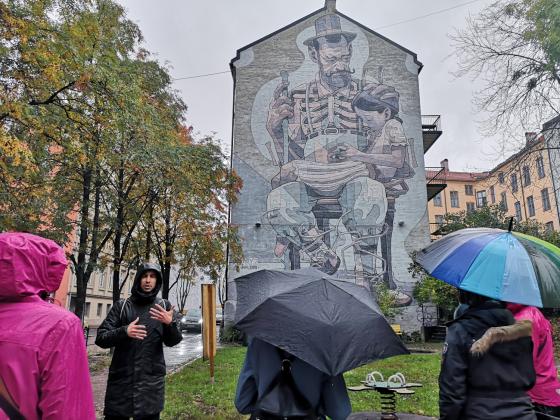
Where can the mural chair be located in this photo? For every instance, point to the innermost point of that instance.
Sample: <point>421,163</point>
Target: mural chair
<point>327,209</point>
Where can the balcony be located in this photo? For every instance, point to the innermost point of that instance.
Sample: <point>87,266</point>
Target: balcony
<point>431,130</point>
<point>435,181</point>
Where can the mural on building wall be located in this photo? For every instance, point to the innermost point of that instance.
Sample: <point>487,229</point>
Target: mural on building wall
<point>333,131</point>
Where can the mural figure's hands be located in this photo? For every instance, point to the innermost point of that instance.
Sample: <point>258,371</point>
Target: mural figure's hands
<point>341,153</point>
<point>280,108</point>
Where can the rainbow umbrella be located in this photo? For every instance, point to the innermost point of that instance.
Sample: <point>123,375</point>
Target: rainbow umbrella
<point>504,265</point>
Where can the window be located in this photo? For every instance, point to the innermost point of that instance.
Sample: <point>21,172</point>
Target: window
<point>439,219</point>
<point>513,182</point>
<point>454,195</point>
<point>492,195</point>
<point>549,227</point>
<point>86,310</point>
<point>99,309</point>
<point>517,206</point>
<point>531,206</point>
<point>545,199</point>
<point>503,201</point>
<point>110,283</point>
<point>108,308</point>
<point>101,280</point>
<point>501,177</point>
<point>468,190</point>
<point>437,200</point>
<point>540,167</point>
<point>526,176</point>
<point>480,198</point>
<point>470,207</point>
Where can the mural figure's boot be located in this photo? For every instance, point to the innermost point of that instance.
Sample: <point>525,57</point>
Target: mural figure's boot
<point>321,256</point>
<point>401,298</point>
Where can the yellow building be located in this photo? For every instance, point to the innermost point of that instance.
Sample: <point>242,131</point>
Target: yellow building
<point>522,184</point>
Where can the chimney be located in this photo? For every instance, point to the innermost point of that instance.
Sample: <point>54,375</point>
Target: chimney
<point>530,137</point>
<point>330,5</point>
<point>445,165</point>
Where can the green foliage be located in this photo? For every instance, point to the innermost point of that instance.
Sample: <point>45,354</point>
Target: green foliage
<point>386,301</point>
<point>487,216</point>
<point>432,290</point>
<point>189,394</point>
<point>231,335</point>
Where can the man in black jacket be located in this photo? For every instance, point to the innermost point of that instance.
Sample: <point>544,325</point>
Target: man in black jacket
<point>487,364</point>
<point>137,327</point>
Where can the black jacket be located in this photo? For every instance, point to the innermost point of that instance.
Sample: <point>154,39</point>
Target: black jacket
<point>486,371</point>
<point>136,383</point>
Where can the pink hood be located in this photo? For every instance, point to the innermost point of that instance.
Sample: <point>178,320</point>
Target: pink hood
<point>43,359</point>
<point>29,265</point>
<point>547,388</point>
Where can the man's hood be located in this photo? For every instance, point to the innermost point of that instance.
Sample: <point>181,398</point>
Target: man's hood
<point>29,265</point>
<point>137,291</point>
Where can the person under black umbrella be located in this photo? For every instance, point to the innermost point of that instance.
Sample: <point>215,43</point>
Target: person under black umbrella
<point>313,393</point>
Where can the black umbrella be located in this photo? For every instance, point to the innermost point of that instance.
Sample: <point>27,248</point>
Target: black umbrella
<point>331,324</point>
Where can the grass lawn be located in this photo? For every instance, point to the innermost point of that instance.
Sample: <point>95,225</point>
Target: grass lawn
<point>189,394</point>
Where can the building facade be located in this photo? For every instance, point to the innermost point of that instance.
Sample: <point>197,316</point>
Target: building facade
<point>328,139</point>
<point>524,185</point>
<point>99,295</point>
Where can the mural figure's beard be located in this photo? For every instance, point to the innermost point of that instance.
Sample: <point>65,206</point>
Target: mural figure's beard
<point>339,78</point>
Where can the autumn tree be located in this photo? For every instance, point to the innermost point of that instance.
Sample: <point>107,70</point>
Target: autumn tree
<point>513,46</point>
<point>188,223</point>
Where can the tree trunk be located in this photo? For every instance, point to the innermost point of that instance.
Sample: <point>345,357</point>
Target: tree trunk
<point>166,267</point>
<point>117,258</point>
<point>80,267</point>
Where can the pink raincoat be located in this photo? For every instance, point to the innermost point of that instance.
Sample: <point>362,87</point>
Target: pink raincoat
<point>547,387</point>
<point>43,360</point>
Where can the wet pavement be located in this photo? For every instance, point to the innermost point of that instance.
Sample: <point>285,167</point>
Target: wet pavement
<point>187,350</point>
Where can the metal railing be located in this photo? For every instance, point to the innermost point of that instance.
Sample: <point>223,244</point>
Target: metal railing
<point>431,122</point>
<point>439,176</point>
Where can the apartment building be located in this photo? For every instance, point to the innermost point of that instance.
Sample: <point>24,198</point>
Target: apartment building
<point>523,185</point>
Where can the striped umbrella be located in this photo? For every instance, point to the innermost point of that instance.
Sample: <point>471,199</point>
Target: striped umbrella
<point>503,265</point>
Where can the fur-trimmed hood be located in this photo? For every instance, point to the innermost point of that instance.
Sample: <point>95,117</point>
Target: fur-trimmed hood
<point>495,335</point>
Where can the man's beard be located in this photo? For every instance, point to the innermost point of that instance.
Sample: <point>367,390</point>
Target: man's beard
<point>339,79</point>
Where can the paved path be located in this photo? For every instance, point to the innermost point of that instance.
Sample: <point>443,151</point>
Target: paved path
<point>188,349</point>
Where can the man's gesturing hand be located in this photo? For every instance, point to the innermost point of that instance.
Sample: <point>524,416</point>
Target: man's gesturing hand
<point>161,315</point>
<point>136,331</point>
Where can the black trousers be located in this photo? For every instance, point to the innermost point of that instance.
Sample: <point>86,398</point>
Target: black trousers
<point>151,417</point>
<point>545,412</point>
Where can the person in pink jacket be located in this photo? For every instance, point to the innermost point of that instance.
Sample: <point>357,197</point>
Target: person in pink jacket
<point>43,360</point>
<point>546,392</point>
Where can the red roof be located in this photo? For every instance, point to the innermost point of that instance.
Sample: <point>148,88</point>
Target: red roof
<point>456,176</point>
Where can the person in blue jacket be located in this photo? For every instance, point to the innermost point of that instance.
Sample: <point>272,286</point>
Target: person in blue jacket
<point>326,394</point>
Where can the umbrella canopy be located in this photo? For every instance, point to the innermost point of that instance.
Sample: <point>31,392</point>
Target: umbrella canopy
<point>333,325</point>
<point>503,265</point>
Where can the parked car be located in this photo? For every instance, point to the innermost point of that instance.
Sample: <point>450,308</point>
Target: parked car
<point>192,320</point>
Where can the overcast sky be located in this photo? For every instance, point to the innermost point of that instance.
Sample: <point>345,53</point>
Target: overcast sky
<point>201,37</point>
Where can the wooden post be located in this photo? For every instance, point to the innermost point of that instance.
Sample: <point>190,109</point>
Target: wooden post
<point>209,325</point>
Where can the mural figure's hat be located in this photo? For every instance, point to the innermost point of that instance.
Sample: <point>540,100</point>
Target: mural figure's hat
<point>375,96</point>
<point>329,25</point>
